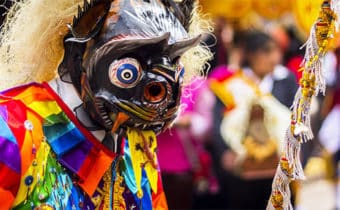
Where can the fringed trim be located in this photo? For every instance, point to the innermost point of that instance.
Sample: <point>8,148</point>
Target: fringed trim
<point>280,198</point>
<point>293,168</point>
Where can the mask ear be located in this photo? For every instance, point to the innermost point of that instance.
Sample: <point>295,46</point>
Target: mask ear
<point>89,21</point>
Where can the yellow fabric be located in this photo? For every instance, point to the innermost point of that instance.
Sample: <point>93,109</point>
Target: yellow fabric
<point>223,94</point>
<point>139,142</point>
<point>272,9</point>
<point>227,8</point>
<point>38,170</point>
<point>46,108</point>
<point>306,12</point>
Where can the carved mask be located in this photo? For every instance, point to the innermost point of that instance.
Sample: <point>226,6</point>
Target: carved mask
<point>123,56</point>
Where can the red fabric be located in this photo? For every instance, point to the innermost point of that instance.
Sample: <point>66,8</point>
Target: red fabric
<point>9,186</point>
<point>17,113</point>
<point>294,65</point>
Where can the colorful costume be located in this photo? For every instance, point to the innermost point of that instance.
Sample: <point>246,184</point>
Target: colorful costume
<point>87,140</point>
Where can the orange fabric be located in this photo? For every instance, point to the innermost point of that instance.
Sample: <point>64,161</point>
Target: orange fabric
<point>159,200</point>
<point>6,199</point>
<point>34,93</point>
<point>93,170</point>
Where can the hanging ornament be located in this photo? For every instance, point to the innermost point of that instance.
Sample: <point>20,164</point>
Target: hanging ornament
<point>230,9</point>
<point>271,9</point>
<point>311,83</point>
<point>305,13</point>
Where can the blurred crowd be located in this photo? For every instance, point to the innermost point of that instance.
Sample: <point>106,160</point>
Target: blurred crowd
<point>223,149</point>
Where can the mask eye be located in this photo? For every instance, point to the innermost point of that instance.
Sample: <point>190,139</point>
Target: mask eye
<point>125,73</point>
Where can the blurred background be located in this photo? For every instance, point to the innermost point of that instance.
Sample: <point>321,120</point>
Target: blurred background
<point>223,149</point>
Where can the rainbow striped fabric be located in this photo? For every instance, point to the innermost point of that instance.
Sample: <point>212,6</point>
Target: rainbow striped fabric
<point>49,160</point>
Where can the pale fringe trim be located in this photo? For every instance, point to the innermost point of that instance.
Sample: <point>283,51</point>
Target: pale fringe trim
<point>303,131</point>
<point>283,188</point>
<point>292,150</point>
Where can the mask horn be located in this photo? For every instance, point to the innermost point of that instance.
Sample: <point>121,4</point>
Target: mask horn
<point>180,47</point>
<point>89,21</point>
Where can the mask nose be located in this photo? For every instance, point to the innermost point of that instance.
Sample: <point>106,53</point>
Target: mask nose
<point>155,92</point>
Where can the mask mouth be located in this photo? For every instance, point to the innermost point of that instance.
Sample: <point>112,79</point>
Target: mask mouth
<point>120,114</point>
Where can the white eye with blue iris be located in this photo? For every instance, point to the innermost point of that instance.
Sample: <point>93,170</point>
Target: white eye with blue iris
<point>125,73</point>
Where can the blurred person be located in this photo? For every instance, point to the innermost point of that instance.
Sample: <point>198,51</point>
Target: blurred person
<point>185,164</point>
<point>225,44</point>
<point>246,145</point>
<point>263,59</point>
<point>330,138</point>
<point>329,134</point>
<point>290,46</point>
<point>293,56</point>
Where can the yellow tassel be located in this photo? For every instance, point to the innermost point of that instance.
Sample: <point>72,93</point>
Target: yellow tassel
<point>143,146</point>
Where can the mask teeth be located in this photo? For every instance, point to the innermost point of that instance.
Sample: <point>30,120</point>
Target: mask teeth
<point>103,113</point>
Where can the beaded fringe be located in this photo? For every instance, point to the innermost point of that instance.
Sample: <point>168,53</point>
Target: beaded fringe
<point>311,84</point>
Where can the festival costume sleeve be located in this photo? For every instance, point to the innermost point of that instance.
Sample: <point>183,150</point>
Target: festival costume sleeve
<point>31,116</point>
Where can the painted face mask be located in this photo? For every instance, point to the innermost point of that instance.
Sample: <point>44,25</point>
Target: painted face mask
<point>123,57</point>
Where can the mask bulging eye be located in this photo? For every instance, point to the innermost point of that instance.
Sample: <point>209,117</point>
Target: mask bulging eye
<point>125,73</point>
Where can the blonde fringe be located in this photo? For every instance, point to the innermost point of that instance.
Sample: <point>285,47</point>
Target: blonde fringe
<point>196,59</point>
<point>31,42</point>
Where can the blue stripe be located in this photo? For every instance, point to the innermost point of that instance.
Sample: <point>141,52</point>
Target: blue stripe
<point>55,131</point>
<point>6,131</point>
<point>67,142</point>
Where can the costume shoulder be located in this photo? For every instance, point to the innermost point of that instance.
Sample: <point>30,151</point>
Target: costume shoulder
<point>31,116</point>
